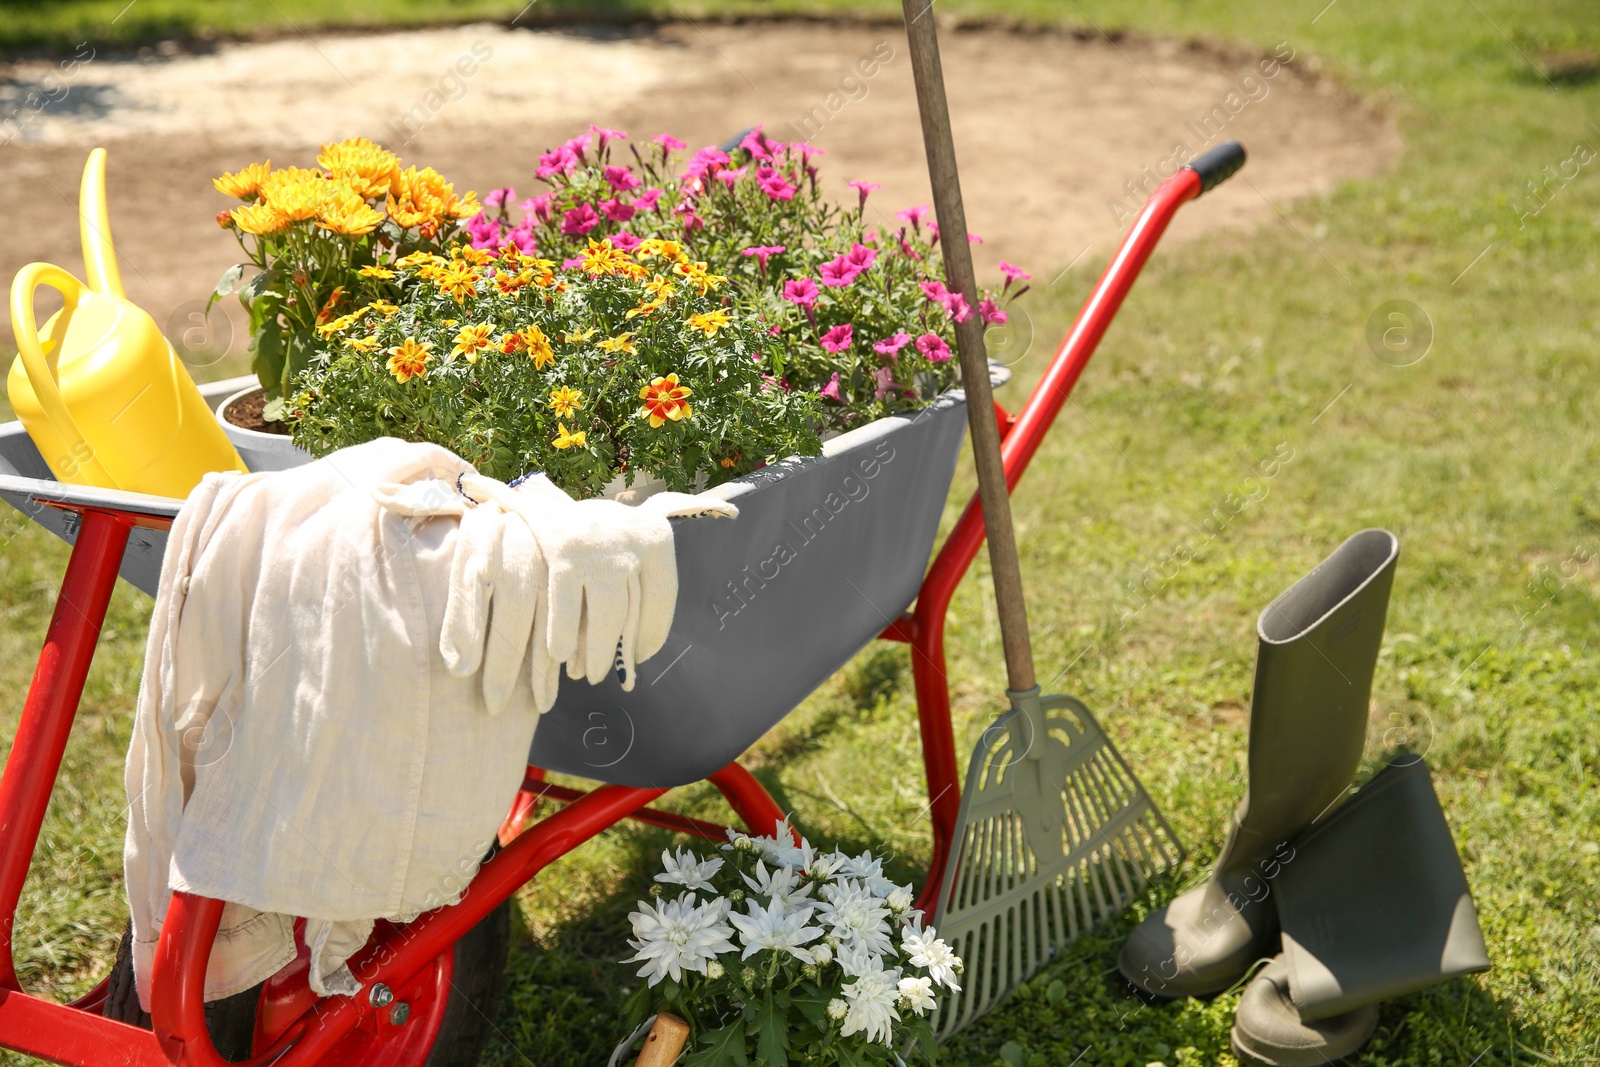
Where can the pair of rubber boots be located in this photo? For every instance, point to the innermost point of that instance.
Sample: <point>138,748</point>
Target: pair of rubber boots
<point>1318,644</point>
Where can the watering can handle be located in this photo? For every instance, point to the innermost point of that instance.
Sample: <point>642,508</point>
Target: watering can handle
<point>94,228</point>
<point>41,369</point>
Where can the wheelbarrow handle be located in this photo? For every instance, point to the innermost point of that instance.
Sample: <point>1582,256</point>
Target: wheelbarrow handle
<point>1217,165</point>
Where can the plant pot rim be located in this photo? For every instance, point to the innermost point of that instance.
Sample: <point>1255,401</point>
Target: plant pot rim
<point>233,427</point>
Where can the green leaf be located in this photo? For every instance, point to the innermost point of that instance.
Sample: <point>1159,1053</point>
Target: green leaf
<point>636,1007</point>
<point>255,286</point>
<point>720,1048</point>
<point>772,1034</point>
<point>268,354</point>
<point>229,279</point>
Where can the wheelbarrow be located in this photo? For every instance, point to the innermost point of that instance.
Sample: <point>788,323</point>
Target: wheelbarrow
<point>858,524</point>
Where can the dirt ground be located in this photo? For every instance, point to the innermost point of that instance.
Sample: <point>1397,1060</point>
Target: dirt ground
<point>1053,131</point>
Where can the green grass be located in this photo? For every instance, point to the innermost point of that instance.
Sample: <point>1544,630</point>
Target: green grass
<point>1481,457</point>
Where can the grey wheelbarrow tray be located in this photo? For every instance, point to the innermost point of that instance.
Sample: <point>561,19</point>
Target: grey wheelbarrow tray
<point>827,551</point>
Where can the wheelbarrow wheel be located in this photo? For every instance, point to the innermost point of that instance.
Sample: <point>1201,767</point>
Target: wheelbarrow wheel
<point>449,1014</point>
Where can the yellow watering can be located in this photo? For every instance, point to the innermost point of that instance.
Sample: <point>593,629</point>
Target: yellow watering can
<point>99,389</point>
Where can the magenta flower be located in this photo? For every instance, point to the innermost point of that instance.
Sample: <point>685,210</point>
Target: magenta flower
<point>570,264</point>
<point>1013,274</point>
<point>730,175</point>
<point>485,231</point>
<point>831,390</point>
<point>579,220</point>
<point>647,200</point>
<point>706,161</point>
<point>774,184</point>
<point>802,291</point>
<point>577,148</point>
<point>906,249</point>
<point>605,135</point>
<point>991,313</point>
<point>956,307</point>
<point>933,346</point>
<point>861,257</point>
<point>762,253</point>
<point>755,142</point>
<point>838,272</point>
<point>839,338</point>
<point>864,188</point>
<point>621,178</point>
<point>668,143</point>
<point>871,237</point>
<point>616,210</point>
<point>914,215</point>
<point>539,205</point>
<point>885,379</point>
<point>556,161</point>
<point>890,346</point>
<point>522,237</point>
<point>692,222</point>
<point>497,197</point>
<point>935,291</point>
<point>624,240</point>
<point>806,151</point>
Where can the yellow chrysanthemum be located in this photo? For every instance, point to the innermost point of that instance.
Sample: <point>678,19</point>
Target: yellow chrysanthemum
<point>372,270</point>
<point>297,192</point>
<point>408,360</point>
<point>259,219</point>
<point>244,182</point>
<point>346,213</point>
<point>664,400</point>
<point>471,341</point>
<point>564,400</point>
<point>423,199</point>
<point>566,439</point>
<point>367,168</point>
<point>709,322</point>
<point>623,342</point>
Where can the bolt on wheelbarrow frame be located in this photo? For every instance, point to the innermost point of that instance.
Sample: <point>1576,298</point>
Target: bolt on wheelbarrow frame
<point>294,1027</point>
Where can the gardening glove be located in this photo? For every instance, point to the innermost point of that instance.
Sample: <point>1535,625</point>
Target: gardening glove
<point>494,552</point>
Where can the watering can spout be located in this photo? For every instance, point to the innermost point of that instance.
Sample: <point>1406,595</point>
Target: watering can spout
<point>98,388</point>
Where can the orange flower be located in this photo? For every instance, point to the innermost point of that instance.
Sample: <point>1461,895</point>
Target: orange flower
<point>663,400</point>
<point>244,182</point>
<point>408,360</point>
<point>368,169</point>
<point>297,192</point>
<point>260,219</point>
<point>344,212</point>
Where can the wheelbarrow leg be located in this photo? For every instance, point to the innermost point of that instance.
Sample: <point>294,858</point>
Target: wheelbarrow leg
<point>51,705</point>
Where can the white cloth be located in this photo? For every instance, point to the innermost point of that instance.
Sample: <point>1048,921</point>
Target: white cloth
<point>338,693</point>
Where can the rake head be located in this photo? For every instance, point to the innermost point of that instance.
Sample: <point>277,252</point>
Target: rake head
<point>1056,836</point>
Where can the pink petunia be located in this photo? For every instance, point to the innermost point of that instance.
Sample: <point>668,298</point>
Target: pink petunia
<point>539,205</point>
<point>668,142</point>
<point>885,383</point>
<point>522,237</point>
<point>624,240</point>
<point>840,338</point>
<point>616,210</point>
<point>862,257</point>
<point>801,291</point>
<point>806,151</point>
<point>485,231</point>
<point>890,346</point>
<point>570,264</point>
<point>579,220</point>
<point>605,135</point>
<point>577,147</point>
<point>914,215</point>
<point>692,222</point>
<point>956,307</point>
<point>838,272</point>
<point>556,161</point>
<point>991,313</point>
<point>831,390</point>
<point>933,346</point>
<point>762,253</point>
<point>731,175</point>
<point>621,178</point>
<point>647,200</point>
<point>871,237</point>
<point>935,291</point>
<point>774,184</point>
<point>906,249</point>
<point>755,142</point>
<point>497,197</point>
<point>706,161</point>
<point>1013,274</point>
<point>864,188</point>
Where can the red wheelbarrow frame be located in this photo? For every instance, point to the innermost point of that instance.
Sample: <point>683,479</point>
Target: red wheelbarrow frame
<point>295,1027</point>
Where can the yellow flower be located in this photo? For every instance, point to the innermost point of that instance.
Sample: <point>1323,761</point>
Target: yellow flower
<point>458,280</point>
<point>648,308</point>
<point>656,247</point>
<point>338,325</point>
<point>623,342</point>
<point>709,322</point>
<point>346,213</point>
<point>664,399</point>
<point>361,344</point>
<point>539,349</point>
<point>510,283</point>
<point>423,199</point>
<point>601,258</point>
<point>417,259</point>
<point>244,182</point>
<point>408,360</point>
<point>471,341</point>
<point>698,276</point>
<point>384,307</point>
<point>564,401</point>
<point>367,168</point>
<point>565,439</point>
<point>260,219</point>
<point>297,192</point>
<point>375,271</point>
<point>573,337</point>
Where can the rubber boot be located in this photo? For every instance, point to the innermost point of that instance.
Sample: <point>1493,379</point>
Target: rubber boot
<point>1318,644</point>
<point>1268,1028</point>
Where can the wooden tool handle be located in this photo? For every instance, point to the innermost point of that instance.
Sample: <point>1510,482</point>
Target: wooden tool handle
<point>664,1042</point>
<point>924,41</point>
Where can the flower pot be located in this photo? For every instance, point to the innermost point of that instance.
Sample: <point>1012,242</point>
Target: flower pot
<point>260,451</point>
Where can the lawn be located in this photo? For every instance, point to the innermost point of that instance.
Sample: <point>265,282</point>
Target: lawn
<point>1481,455</point>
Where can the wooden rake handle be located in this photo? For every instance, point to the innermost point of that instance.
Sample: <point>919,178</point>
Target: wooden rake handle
<point>663,1043</point>
<point>1007,571</point>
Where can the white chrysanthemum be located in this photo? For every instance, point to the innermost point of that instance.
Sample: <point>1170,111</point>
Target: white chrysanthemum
<point>868,870</point>
<point>918,994</point>
<point>855,916</point>
<point>776,927</point>
<point>899,899</point>
<point>738,842</point>
<point>688,870</point>
<point>714,970</point>
<point>821,953</point>
<point>779,883</point>
<point>856,961</point>
<point>676,936</point>
<point>837,1009</point>
<point>871,998</point>
<point>925,949</point>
